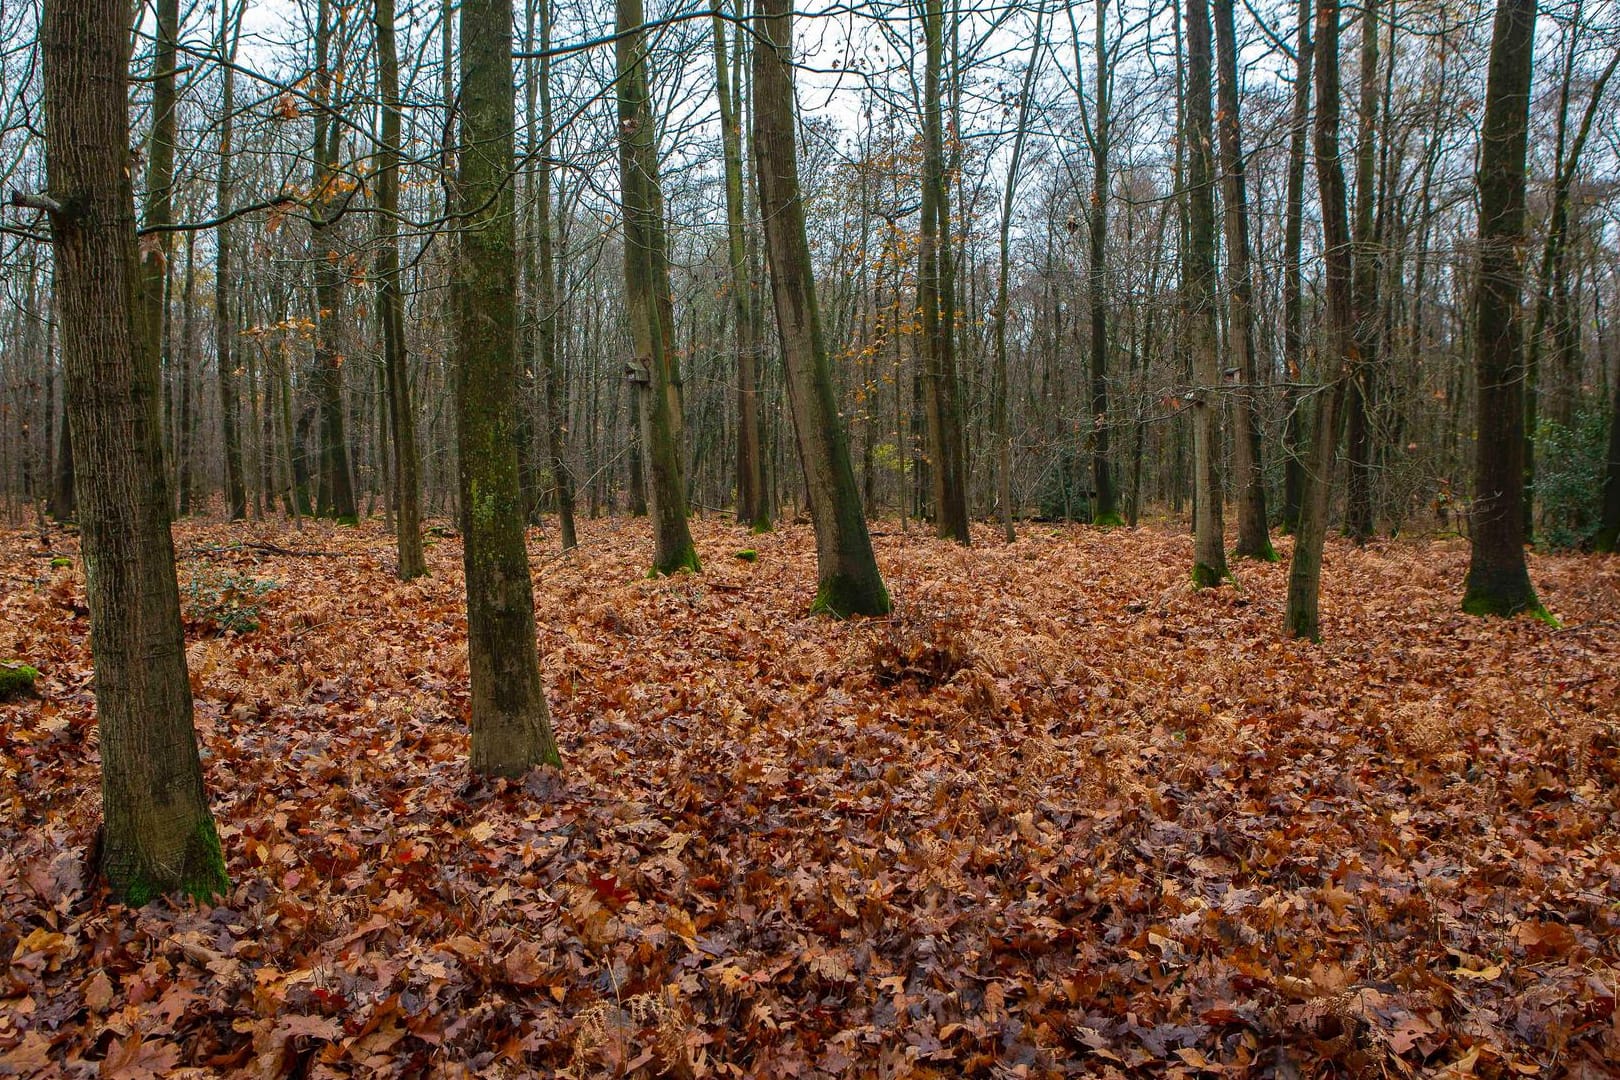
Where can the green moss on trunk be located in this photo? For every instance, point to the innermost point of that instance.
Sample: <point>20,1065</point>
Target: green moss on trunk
<point>1108,520</point>
<point>843,595</point>
<point>681,559</point>
<point>1209,577</point>
<point>201,875</point>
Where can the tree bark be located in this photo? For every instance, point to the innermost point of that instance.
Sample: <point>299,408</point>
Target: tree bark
<point>847,572</point>
<point>1294,335</point>
<point>1302,619</point>
<point>511,729</point>
<point>1358,506</point>
<point>647,294</point>
<point>753,508</point>
<point>1105,504</point>
<point>545,278</point>
<point>157,834</point>
<point>1498,580</point>
<point>1253,537</point>
<point>1209,548</point>
<point>391,310</point>
<point>336,499</point>
<point>936,297</point>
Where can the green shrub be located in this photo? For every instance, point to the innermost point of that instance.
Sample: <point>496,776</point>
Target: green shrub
<point>1569,480</point>
<point>224,600</point>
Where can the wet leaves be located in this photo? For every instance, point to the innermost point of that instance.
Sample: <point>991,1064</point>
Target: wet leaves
<point>1060,815</point>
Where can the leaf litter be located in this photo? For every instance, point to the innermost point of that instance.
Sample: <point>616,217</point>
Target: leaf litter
<point>1060,815</point>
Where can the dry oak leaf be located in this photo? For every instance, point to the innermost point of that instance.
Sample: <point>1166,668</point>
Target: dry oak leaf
<point>135,1058</point>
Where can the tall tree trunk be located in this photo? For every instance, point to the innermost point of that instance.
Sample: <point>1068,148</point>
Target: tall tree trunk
<point>1105,505</point>
<point>936,297</point>
<point>157,834</point>
<point>156,248</point>
<point>753,508</point>
<point>647,294</point>
<point>1253,538</point>
<point>1294,335</point>
<point>230,29</point>
<point>511,729</point>
<point>1004,497</point>
<point>847,572</point>
<point>1498,581</point>
<point>391,310</point>
<point>1302,619</point>
<point>336,497</point>
<point>545,278</point>
<point>185,427</point>
<point>1358,506</point>
<point>1209,549</point>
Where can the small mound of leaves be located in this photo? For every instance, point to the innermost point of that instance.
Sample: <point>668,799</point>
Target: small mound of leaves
<point>925,649</point>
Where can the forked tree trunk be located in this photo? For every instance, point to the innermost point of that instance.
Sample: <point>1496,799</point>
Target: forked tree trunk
<point>1209,545</point>
<point>1253,537</point>
<point>511,729</point>
<point>157,834</point>
<point>646,294</point>
<point>391,310</point>
<point>1498,581</point>
<point>846,569</point>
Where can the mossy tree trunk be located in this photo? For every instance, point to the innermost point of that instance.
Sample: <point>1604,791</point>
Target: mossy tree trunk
<point>1498,580</point>
<point>1209,547</point>
<point>158,836</point>
<point>511,729</point>
<point>847,572</point>
<point>1253,534</point>
<point>1608,534</point>
<point>1302,619</point>
<point>391,310</point>
<point>646,293</point>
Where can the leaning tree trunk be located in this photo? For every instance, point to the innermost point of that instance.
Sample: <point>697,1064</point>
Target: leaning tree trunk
<point>646,290</point>
<point>157,834</point>
<point>511,729</point>
<point>1209,546</point>
<point>1498,581</point>
<point>391,310</point>
<point>1302,619</point>
<point>847,572</point>
<point>1253,538</point>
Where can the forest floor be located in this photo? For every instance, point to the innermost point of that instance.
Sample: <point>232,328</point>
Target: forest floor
<point>1060,815</point>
